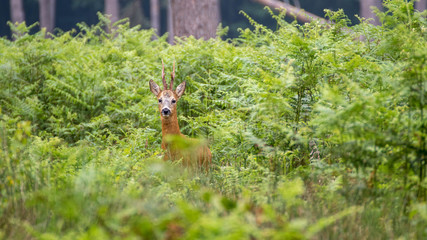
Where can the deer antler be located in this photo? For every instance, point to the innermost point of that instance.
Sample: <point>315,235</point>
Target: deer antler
<point>172,76</point>
<point>163,76</point>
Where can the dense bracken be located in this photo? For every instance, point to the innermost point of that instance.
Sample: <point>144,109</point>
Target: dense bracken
<point>317,131</point>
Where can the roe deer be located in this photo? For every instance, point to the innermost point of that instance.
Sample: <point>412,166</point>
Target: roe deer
<point>177,145</point>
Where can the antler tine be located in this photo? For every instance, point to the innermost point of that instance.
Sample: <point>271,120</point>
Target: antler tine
<point>172,76</point>
<point>163,76</point>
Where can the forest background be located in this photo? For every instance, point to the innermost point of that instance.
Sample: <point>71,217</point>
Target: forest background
<point>70,12</point>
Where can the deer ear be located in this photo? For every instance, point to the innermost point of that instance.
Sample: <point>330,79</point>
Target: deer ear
<point>180,89</point>
<point>155,89</point>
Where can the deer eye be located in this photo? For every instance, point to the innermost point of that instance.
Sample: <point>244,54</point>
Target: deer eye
<point>160,100</point>
<point>173,101</point>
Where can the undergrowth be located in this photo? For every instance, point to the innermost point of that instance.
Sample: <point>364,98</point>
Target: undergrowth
<point>317,131</point>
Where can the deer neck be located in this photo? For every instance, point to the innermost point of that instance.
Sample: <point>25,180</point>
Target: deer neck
<point>170,125</point>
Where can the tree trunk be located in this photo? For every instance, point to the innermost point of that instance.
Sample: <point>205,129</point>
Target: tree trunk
<point>299,13</point>
<point>169,23</point>
<point>112,8</point>
<point>47,14</point>
<point>421,5</point>
<point>366,11</point>
<point>134,12</point>
<point>198,18</point>
<point>155,15</point>
<point>17,14</point>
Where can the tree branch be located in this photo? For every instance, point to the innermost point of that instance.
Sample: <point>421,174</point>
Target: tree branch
<point>299,13</point>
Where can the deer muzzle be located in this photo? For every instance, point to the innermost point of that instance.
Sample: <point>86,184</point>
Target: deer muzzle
<point>166,112</point>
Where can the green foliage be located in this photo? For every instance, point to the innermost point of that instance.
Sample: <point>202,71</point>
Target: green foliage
<point>316,131</point>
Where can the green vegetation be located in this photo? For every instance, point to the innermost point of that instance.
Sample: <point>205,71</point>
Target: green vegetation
<point>318,131</point>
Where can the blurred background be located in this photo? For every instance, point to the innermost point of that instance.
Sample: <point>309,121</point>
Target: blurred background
<point>64,14</point>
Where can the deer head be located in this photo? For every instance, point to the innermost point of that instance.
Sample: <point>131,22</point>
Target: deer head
<point>167,97</point>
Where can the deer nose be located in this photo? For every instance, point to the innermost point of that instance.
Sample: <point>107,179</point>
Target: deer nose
<point>166,111</point>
